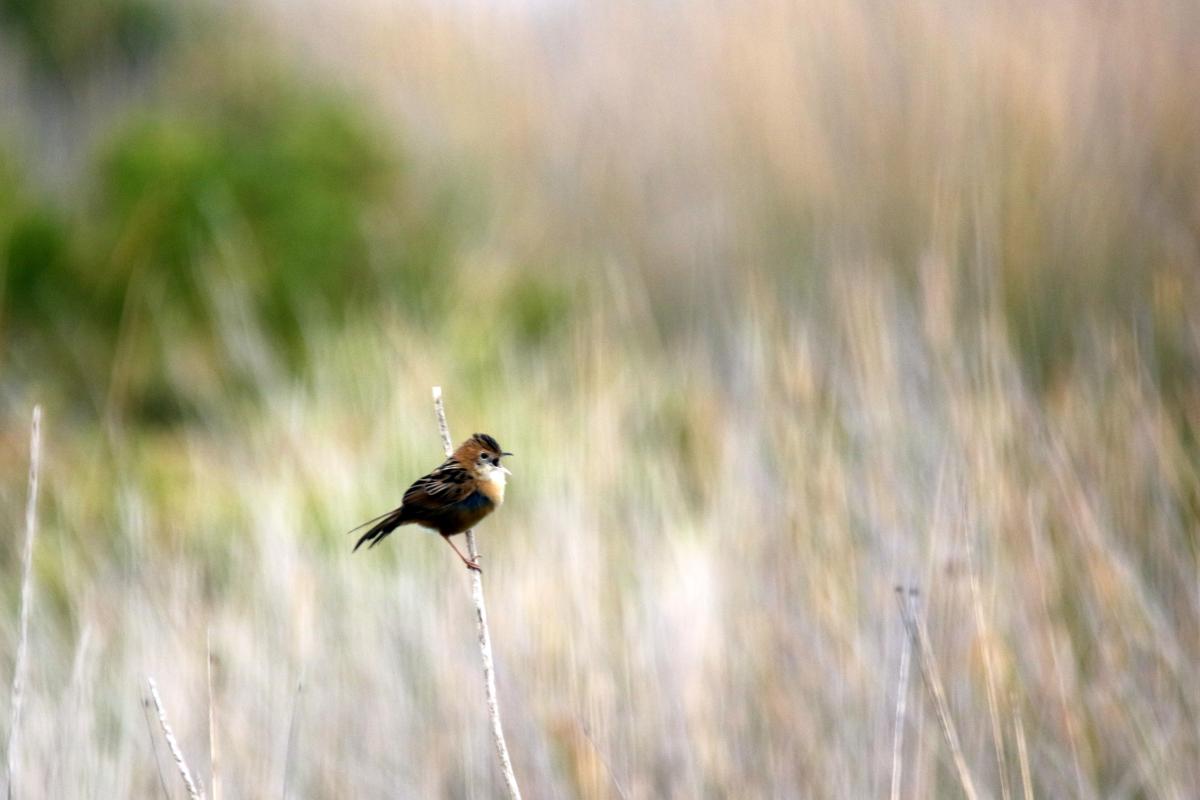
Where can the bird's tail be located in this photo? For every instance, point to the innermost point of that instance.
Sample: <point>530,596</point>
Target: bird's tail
<point>382,527</point>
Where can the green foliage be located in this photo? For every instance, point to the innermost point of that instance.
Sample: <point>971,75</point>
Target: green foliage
<point>66,39</point>
<point>38,263</point>
<point>535,308</point>
<point>276,195</point>
<point>235,218</point>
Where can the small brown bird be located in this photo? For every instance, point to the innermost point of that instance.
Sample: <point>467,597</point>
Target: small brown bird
<point>467,487</point>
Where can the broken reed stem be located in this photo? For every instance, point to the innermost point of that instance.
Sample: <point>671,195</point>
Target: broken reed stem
<point>18,680</point>
<point>176,753</point>
<point>485,637</point>
<point>933,684</point>
<point>901,705</point>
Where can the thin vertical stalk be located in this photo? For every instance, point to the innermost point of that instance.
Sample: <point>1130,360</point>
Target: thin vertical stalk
<point>162,779</point>
<point>485,637</point>
<point>291,740</point>
<point>933,683</point>
<point>1022,749</point>
<point>989,672</point>
<point>901,706</point>
<point>176,753</point>
<point>213,743</point>
<point>18,680</point>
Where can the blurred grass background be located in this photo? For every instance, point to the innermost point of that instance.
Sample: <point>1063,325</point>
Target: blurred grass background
<point>779,304</point>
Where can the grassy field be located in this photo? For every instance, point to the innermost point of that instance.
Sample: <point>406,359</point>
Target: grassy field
<point>779,306</point>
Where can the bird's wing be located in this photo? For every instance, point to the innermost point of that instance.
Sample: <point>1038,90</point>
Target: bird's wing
<point>448,484</point>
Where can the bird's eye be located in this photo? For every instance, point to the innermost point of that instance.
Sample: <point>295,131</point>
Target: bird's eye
<point>486,457</point>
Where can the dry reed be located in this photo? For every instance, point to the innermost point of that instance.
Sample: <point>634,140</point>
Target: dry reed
<point>176,752</point>
<point>485,636</point>
<point>18,680</point>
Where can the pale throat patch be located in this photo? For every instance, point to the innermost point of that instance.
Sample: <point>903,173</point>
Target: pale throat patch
<point>497,476</point>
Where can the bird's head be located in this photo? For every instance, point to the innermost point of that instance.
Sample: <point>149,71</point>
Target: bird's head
<point>481,453</point>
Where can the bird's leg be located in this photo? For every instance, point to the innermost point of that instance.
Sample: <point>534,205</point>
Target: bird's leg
<point>470,564</point>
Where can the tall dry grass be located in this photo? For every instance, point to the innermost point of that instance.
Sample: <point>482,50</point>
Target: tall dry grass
<point>861,294</point>
<point>1044,149</point>
<point>691,584</point>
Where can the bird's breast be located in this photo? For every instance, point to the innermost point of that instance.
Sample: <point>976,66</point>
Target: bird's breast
<point>493,489</point>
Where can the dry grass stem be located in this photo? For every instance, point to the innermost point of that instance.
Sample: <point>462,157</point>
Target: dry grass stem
<point>291,740</point>
<point>162,778</point>
<point>989,671</point>
<point>176,753</point>
<point>213,748</point>
<point>1022,750</point>
<point>933,684</point>
<point>901,709</point>
<point>1060,679</point>
<point>485,637</point>
<point>612,776</point>
<point>14,724</point>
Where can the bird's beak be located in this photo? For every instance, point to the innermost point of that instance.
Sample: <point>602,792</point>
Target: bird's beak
<point>506,454</point>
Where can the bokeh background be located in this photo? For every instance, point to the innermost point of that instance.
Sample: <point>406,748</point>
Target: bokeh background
<point>780,304</point>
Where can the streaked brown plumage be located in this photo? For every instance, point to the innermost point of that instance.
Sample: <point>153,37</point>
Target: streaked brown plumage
<point>467,487</point>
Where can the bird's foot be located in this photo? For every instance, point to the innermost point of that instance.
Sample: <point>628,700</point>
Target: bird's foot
<point>474,565</point>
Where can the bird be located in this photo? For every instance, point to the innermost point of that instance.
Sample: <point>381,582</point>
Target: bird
<point>467,487</point>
